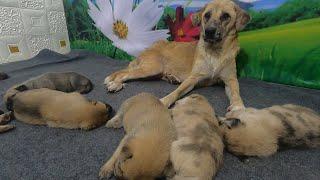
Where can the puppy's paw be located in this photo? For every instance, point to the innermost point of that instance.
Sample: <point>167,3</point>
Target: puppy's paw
<point>106,172</point>
<point>6,128</point>
<point>115,122</point>
<point>5,118</point>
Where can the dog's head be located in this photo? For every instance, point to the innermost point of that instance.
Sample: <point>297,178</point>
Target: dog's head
<point>219,19</point>
<point>141,157</point>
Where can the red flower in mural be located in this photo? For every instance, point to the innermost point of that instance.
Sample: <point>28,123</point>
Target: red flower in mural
<point>182,29</point>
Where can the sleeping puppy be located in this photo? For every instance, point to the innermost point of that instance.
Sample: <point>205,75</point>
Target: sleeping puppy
<point>143,154</point>
<point>65,82</point>
<point>3,76</point>
<point>4,119</point>
<point>58,109</point>
<point>198,151</point>
<point>263,132</point>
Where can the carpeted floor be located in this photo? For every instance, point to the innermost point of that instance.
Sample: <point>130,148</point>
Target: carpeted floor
<point>37,152</point>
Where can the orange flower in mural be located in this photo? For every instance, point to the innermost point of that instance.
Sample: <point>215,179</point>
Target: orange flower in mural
<point>182,29</point>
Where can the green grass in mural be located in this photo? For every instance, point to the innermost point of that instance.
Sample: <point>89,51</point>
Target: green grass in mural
<point>288,54</point>
<point>103,47</point>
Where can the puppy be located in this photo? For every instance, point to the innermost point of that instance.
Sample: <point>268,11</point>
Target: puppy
<point>58,109</point>
<point>3,76</point>
<point>4,119</point>
<point>198,151</point>
<point>263,132</point>
<point>210,60</point>
<point>66,82</point>
<point>143,154</point>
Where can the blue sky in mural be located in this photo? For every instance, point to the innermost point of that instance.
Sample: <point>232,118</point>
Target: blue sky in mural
<point>257,4</point>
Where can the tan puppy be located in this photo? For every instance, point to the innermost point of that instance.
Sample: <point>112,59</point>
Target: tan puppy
<point>263,132</point>
<point>66,82</point>
<point>143,154</point>
<point>198,152</point>
<point>4,119</point>
<point>58,109</point>
<point>201,64</point>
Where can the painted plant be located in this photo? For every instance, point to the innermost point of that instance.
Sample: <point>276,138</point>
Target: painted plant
<point>182,29</point>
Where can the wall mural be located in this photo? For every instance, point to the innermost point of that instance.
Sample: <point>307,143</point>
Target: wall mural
<point>281,43</point>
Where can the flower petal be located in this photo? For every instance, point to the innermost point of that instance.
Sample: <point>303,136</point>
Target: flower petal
<point>122,9</point>
<point>102,18</point>
<point>145,16</point>
<point>193,32</point>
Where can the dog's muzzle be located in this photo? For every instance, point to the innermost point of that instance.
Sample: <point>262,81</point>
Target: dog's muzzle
<point>212,35</point>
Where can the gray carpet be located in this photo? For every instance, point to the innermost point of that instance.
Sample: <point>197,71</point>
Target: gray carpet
<point>37,152</point>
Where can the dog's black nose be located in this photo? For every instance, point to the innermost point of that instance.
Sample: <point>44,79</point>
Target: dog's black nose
<point>210,32</point>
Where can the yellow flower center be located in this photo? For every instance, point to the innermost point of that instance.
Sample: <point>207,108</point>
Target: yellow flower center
<point>180,32</point>
<point>120,29</point>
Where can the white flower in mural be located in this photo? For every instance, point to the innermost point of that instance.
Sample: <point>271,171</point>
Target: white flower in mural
<point>130,30</point>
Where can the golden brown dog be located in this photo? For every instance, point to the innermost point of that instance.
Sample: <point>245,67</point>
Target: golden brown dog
<point>143,154</point>
<point>58,109</point>
<point>263,132</point>
<point>4,119</point>
<point>198,151</point>
<point>194,64</point>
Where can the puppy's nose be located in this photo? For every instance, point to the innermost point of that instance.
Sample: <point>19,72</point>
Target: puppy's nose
<point>210,32</point>
<point>108,109</point>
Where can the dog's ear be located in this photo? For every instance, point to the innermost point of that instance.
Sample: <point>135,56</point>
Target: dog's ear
<point>242,19</point>
<point>197,16</point>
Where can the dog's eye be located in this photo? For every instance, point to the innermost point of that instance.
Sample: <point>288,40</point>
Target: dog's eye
<point>224,16</point>
<point>207,16</point>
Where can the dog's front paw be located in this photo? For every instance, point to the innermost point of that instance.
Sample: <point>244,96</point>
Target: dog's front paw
<point>166,101</point>
<point>106,172</point>
<point>114,86</point>
<point>234,110</point>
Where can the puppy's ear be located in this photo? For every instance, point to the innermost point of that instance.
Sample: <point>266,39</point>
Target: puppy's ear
<point>21,88</point>
<point>233,122</point>
<point>126,152</point>
<point>197,16</point>
<point>243,18</point>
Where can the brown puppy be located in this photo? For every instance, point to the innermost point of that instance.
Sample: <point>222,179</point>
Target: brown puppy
<point>58,109</point>
<point>4,119</point>
<point>3,76</point>
<point>143,154</point>
<point>263,132</point>
<point>198,152</point>
<point>194,64</point>
<point>65,82</point>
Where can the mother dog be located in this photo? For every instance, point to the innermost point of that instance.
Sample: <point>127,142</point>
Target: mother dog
<point>194,64</point>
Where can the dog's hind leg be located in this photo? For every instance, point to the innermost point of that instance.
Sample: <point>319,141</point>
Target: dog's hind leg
<point>146,69</point>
